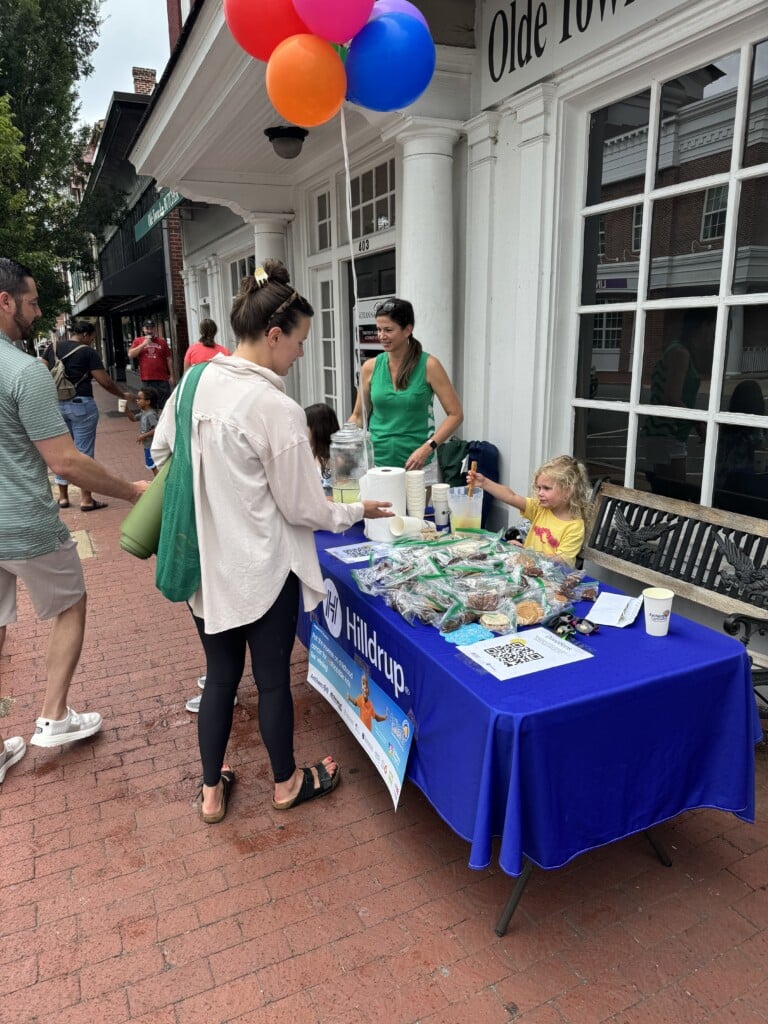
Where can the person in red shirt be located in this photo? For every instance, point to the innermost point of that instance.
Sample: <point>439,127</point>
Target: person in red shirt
<point>206,348</point>
<point>155,365</point>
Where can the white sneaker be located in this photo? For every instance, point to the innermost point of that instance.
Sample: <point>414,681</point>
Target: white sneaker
<point>13,750</point>
<point>201,682</point>
<point>75,726</point>
<point>193,704</point>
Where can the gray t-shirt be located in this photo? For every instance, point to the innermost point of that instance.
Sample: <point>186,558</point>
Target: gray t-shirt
<point>29,412</point>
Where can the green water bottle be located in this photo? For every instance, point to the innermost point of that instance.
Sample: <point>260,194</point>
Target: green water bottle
<point>140,530</point>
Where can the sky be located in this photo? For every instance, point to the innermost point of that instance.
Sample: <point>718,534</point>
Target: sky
<point>134,34</point>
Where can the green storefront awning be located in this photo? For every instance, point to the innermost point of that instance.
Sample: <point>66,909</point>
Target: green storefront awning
<point>166,201</point>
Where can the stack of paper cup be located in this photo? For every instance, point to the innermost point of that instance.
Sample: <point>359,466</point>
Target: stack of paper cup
<point>440,505</point>
<point>415,493</point>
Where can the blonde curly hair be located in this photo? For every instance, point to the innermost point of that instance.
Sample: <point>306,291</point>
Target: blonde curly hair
<point>571,476</point>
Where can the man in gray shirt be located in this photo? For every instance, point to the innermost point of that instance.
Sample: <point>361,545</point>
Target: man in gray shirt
<point>35,545</point>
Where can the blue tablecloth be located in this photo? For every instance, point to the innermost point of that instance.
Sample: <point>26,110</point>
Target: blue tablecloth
<point>561,761</point>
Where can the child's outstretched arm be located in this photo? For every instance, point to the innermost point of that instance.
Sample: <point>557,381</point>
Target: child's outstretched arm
<point>505,494</point>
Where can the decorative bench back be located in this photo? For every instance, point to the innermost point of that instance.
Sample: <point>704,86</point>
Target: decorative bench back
<point>714,558</point>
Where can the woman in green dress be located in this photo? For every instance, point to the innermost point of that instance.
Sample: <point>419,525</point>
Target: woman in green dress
<point>398,387</point>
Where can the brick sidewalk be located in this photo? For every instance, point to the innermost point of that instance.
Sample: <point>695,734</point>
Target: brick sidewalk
<point>118,904</point>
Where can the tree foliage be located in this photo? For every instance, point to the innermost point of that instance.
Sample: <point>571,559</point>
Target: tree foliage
<point>45,49</point>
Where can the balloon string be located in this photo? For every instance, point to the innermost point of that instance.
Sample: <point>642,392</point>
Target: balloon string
<point>355,307</point>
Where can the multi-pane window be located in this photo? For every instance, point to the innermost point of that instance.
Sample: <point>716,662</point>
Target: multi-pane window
<point>637,227</point>
<point>373,200</point>
<point>327,323</point>
<point>239,269</point>
<point>715,206</point>
<point>323,235</point>
<point>681,404</point>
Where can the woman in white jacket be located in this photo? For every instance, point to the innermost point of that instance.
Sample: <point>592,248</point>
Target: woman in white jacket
<point>258,499</point>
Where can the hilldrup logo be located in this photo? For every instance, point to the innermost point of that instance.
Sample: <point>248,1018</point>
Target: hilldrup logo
<point>332,609</point>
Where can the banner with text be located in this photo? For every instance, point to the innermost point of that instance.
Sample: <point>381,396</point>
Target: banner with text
<point>380,727</point>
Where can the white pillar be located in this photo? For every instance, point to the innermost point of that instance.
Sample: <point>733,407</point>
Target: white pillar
<point>524,370</point>
<point>482,133</point>
<point>425,250</point>
<point>219,306</point>
<point>191,300</point>
<point>270,236</point>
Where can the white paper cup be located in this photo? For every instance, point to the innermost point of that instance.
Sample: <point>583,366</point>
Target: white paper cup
<point>405,526</point>
<point>440,491</point>
<point>122,404</point>
<point>657,604</point>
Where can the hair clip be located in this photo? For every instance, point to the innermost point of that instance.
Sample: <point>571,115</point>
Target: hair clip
<point>261,277</point>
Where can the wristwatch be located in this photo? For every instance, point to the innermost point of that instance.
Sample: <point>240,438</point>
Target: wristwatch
<point>432,444</point>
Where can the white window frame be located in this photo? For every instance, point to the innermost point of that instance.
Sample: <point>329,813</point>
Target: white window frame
<point>587,91</point>
<point>637,227</point>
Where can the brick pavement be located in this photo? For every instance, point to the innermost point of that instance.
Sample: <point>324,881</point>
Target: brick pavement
<point>117,904</point>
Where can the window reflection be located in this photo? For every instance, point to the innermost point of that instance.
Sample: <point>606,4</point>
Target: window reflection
<point>610,264</point>
<point>677,367</point>
<point>696,127</point>
<point>750,271</point>
<point>746,351</point>
<point>741,473</point>
<point>682,262</point>
<point>601,442</point>
<point>618,143</point>
<point>756,142</point>
<point>605,354</point>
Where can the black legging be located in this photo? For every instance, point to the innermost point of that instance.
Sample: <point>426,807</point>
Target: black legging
<point>270,641</point>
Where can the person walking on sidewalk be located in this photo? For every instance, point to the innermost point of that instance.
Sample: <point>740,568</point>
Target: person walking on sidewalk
<point>155,363</point>
<point>35,545</point>
<point>81,414</point>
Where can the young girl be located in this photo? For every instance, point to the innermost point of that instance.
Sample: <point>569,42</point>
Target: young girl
<point>147,401</point>
<point>558,510</point>
<point>321,423</point>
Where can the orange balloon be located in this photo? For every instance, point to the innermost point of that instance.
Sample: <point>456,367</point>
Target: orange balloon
<point>306,81</point>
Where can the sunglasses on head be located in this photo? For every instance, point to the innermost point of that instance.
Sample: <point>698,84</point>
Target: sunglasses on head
<point>385,307</point>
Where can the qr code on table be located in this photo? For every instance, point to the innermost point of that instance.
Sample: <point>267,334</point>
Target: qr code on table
<point>513,655</point>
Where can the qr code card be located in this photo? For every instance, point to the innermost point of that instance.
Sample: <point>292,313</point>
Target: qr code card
<point>523,653</point>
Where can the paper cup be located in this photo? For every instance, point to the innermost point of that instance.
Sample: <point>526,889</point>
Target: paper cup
<point>122,404</point>
<point>405,526</point>
<point>657,604</point>
<point>440,491</point>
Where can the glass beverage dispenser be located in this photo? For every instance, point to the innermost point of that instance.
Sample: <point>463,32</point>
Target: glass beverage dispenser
<point>351,458</point>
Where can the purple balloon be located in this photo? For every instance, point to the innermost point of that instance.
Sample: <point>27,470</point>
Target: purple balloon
<point>397,7</point>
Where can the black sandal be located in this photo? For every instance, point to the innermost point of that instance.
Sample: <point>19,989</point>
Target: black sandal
<point>308,790</point>
<point>227,782</point>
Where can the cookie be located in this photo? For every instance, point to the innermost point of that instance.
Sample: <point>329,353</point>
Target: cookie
<point>497,622</point>
<point>529,613</point>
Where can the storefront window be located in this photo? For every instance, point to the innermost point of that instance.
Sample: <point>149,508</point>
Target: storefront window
<point>239,269</point>
<point>373,200</point>
<point>674,312</point>
<point>326,320</point>
<point>323,238</point>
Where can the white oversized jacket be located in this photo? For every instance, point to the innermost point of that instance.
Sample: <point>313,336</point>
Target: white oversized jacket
<point>258,497</point>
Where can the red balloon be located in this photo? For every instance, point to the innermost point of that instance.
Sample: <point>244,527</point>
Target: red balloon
<point>259,25</point>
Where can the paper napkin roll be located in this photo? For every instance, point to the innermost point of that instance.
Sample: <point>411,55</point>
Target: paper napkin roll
<point>384,483</point>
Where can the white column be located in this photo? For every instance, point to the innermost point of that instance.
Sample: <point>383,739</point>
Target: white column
<point>219,297</point>
<point>425,250</point>
<point>482,133</point>
<point>191,300</point>
<point>270,236</point>
<point>524,371</point>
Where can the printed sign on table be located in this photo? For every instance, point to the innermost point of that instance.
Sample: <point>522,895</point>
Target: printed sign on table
<point>351,553</point>
<point>373,718</point>
<point>507,657</point>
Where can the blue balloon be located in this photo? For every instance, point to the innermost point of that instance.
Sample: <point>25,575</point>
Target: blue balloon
<point>390,62</point>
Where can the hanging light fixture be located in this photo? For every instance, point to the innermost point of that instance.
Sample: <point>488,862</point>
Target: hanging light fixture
<point>287,140</point>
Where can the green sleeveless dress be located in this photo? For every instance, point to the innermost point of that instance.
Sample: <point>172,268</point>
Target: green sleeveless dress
<point>400,421</point>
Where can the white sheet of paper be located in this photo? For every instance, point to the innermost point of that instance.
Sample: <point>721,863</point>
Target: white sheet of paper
<point>519,654</point>
<point>614,610</point>
<point>351,553</point>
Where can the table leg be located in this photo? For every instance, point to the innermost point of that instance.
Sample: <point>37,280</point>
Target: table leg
<point>658,849</point>
<point>514,899</point>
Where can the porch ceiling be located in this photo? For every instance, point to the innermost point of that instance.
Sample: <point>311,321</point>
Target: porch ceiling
<point>204,133</point>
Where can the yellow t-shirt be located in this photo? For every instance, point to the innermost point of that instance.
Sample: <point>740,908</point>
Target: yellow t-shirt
<point>552,536</point>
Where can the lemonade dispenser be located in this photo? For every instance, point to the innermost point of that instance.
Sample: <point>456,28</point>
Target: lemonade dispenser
<point>351,458</point>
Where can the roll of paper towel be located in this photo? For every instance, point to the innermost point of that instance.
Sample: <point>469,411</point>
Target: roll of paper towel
<point>384,483</point>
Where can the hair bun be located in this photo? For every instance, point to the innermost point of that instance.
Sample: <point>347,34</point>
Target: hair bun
<point>277,271</point>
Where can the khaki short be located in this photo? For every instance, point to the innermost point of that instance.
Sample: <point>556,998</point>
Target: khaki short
<point>54,582</point>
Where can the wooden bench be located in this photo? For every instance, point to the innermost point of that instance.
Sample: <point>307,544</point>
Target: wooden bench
<point>716,559</point>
